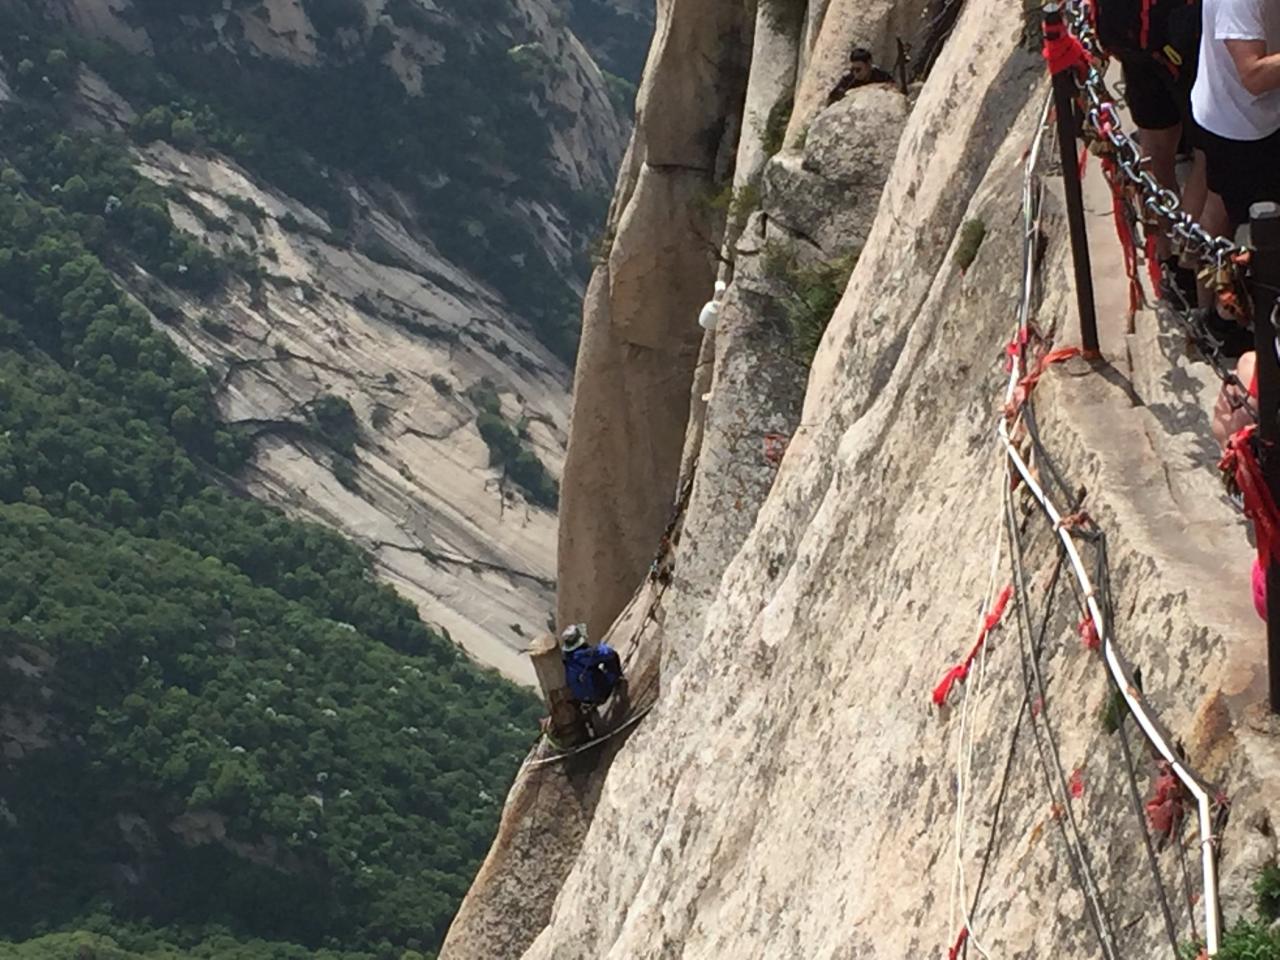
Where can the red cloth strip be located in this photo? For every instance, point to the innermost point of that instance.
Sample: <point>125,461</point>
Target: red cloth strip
<point>1153,263</point>
<point>1089,634</point>
<point>1240,460</point>
<point>1063,51</point>
<point>960,673</point>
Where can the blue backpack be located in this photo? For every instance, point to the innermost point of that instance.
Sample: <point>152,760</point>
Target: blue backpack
<point>592,673</point>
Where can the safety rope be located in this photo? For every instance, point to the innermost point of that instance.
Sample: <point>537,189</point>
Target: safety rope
<point>990,615</point>
<point>1050,757</point>
<point>1103,577</point>
<point>636,716</point>
<point>1092,595</point>
<point>1123,681</point>
<point>1010,755</point>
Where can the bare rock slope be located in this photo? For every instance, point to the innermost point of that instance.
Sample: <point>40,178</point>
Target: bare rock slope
<point>385,312</point>
<point>792,792</point>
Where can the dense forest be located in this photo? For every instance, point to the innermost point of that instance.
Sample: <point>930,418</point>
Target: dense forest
<point>223,737</point>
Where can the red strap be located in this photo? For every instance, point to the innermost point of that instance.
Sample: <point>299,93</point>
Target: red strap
<point>1144,38</point>
<point>956,947</point>
<point>1165,808</point>
<point>1240,461</point>
<point>1063,51</point>
<point>943,690</point>
<point>1048,360</point>
<point>1125,233</point>
<point>1153,262</point>
<point>960,673</point>
<point>1253,384</point>
<point>1028,383</point>
<point>1016,347</point>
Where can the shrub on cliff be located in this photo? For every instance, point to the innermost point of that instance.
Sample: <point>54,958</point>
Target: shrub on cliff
<point>809,292</point>
<point>522,466</point>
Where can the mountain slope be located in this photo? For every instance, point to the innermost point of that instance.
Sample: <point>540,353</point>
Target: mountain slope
<point>416,190</point>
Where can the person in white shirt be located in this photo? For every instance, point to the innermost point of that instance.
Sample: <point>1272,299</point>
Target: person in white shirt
<point>1236,102</point>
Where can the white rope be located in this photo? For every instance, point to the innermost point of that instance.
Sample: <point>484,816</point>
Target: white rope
<point>1132,698</point>
<point>964,753</point>
<point>964,738</point>
<point>1136,704</point>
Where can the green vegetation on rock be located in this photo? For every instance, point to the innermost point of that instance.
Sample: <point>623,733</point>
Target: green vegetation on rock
<point>775,126</point>
<point>507,449</point>
<point>810,292</point>
<point>972,233</point>
<point>1251,938</point>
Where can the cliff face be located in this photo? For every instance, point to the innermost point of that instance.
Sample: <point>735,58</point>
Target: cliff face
<point>640,339</point>
<point>414,264</point>
<point>793,792</point>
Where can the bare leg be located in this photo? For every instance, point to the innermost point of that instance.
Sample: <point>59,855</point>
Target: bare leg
<point>1162,147</point>
<point>1196,190</point>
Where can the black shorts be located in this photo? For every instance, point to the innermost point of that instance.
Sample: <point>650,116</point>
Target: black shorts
<point>1159,100</point>
<point>1243,172</point>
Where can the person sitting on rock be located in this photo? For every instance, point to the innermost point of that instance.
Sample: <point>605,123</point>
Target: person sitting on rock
<point>862,70</point>
<point>592,672</point>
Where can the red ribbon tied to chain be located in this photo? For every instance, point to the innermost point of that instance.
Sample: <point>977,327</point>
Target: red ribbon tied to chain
<point>1063,51</point>
<point>1242,463</point>
<point>960,672</point>
<point>956,947</point>
<point>1124,232</point>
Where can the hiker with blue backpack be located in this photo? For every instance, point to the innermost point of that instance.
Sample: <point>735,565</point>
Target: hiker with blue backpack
<point>592,672</point>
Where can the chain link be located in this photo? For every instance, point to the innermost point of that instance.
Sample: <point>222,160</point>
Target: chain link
<point>1210,347</point>
<point>1103,120</point>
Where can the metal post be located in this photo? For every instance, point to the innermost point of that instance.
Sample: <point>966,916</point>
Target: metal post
<point>1064,100</point>
<point>1265,219</point>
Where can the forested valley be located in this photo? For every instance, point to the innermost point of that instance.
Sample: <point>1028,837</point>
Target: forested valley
<point>222,736</point>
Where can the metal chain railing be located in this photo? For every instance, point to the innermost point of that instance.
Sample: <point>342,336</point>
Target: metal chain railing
<point>1103,120</point>
<point>1211,349</point>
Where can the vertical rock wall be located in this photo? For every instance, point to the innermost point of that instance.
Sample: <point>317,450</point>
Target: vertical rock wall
<point>640,336</point>
<point>793,793</point>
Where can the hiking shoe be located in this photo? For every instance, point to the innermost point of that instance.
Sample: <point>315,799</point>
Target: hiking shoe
<point>1232,339</point>
<point>1178,283</point>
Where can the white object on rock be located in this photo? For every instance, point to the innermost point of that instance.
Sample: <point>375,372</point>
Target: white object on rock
<point>711,311</point>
